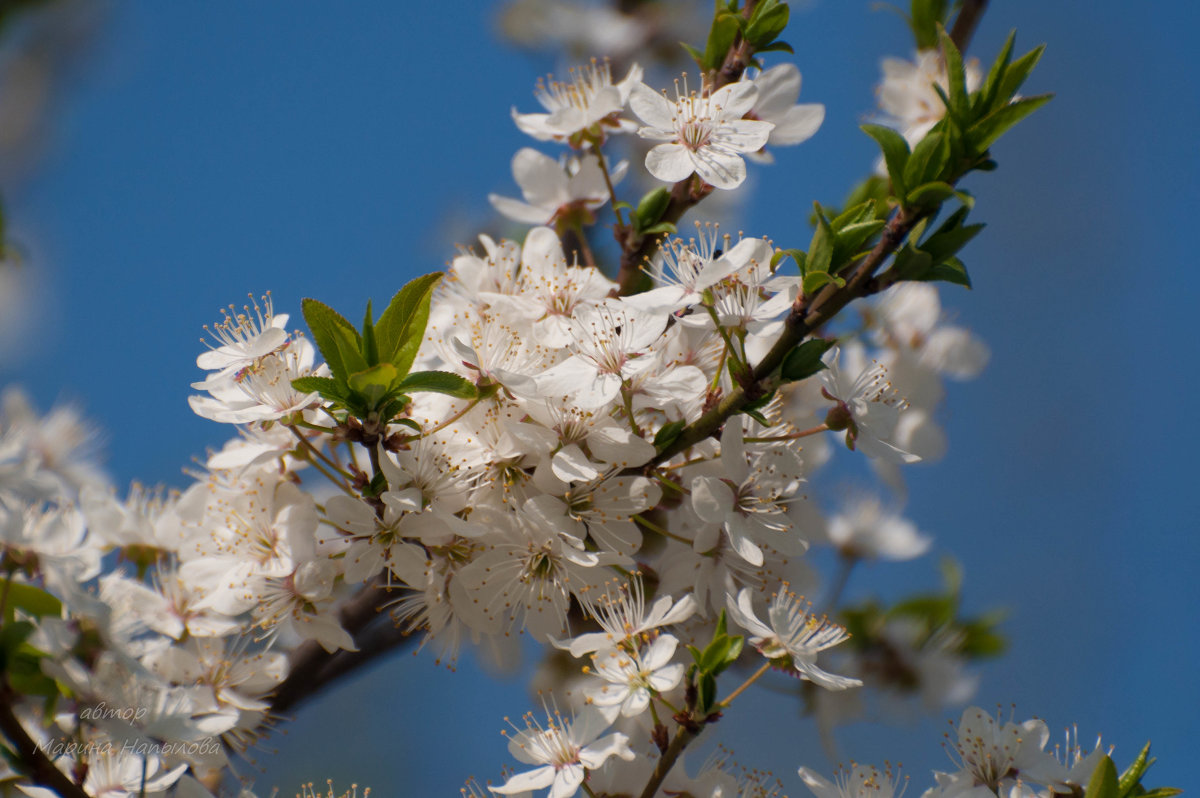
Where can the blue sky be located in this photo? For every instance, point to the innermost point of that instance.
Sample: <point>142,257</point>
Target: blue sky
<point>201,156</point>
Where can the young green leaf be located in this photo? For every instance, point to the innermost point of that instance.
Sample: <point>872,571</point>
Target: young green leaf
<point>667,434</point>
<point>651,208</point>
<point>805,360</point>
<point>1016,74</point>
<point>895,153</point>
<point>768,21</point>
<point>929,159</point>
<point>324,323</point>
<point>438,382</point>
<point>959,106</point>
<point>402,326</point>
<point>725,29</point>
<point>929,195</point>
<point>1103,781</point>
<point>984,133</point>
<point>1133,774</point>
<point>326,386</point>
<point>29,599</point>
<point>991,86</point>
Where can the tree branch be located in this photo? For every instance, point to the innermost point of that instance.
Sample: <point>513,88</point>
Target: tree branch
<point>38,765</point>
<point>966,22</point>
<point>309,659</point>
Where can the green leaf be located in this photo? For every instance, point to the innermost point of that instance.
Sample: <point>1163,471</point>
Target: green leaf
<point>950,270</point>
<point>959,105</point>
<point>370,350</point>
<point>708,693</point>
<point>735,650</point>
<point>374,382</point>
<point>851,238</point>
<point>984,133</point>
<point>815,281</point>
<point>1133,774</point>
<point>661,227</point>
<point>402,325</point>
<point>696,55</point>
<point>725,29</point>
<point>805,360</point>
<point>820,250</point>
<point>929,194</point>
<point>1016,74</point>
<point>722,624</point>
<point>860,212</point>
<point>349,348</point>
<point>991,86</point>
<point>779,46</point>
<point>715,655</point>
<point>439,382</point>
<point>667,434</point>
<point>326,386</point>
<point>697,654</point>
<point>651,208</point>
<point>926,16</point>
<point>324,323</point>
<point>929,159</point>
<point>947,241</point>
<point>895,153</point>
<point>1103,781</point>
<point>1161,792</point>
<point>30,600</point>
<point>768,22</point>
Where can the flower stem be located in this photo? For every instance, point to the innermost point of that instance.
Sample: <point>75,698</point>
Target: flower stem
<point>804,433</point>
<point>452,419</point>
<point>659,530</point>
<point>754,677</point>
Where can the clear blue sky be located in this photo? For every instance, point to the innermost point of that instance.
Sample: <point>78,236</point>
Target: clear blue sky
<point>206,153</point>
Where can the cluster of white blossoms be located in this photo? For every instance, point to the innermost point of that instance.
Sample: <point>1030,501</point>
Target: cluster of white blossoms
<point>515,471</point>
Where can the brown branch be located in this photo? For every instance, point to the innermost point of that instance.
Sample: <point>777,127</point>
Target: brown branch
<point>38,766</point>
<point>667,761</point>
<point>966,22</point>
<point>310,659</point>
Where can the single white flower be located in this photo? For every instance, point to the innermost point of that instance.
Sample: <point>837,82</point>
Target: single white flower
<point>564,751</point>
<point>994,755</point>
<point>588,103</point>
<point>747,501</point>
<point>702,134</point>
<point>868,408</point>
<point>622,614</point>
<point>566,189</point>
<point>792,636</point>
<point>864,529</point>
<point>631,679</point>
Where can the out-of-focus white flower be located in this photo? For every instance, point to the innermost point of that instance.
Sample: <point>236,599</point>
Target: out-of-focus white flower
<point>700,134</point>
<point>860,781</point>
<point>864,529</point>
<point>908,96</point>
<point>572,187</point>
